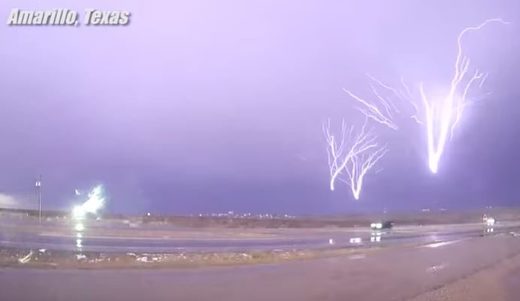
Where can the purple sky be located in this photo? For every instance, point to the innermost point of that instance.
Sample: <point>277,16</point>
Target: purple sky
<point>202,106</point>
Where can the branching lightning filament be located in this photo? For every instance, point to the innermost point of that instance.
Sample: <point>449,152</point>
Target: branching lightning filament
<point>441,116</point>
<point>352,156</point>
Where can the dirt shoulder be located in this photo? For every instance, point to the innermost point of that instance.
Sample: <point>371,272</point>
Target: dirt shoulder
<point>499,282</point>
<point>98,260</point>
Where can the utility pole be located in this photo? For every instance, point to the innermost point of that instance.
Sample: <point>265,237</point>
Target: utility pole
<point>38,186</point>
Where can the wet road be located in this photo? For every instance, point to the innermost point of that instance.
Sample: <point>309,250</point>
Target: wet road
<point>118,237</point>
<point>410,261</point>
<point>395,273</point>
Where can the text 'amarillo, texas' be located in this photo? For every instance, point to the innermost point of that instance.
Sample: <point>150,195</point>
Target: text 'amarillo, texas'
<point>68,17</point>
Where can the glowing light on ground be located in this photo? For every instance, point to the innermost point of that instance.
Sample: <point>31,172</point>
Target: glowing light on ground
<point>441,244</point>
<point>79,227</point>
<point>95,201</point>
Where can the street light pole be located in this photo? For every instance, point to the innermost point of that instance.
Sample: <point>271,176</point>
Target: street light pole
<point>39,189</point>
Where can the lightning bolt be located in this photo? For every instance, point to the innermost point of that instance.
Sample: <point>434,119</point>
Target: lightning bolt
<point>353,156</point>
<point>383,109</point>
<point>442,117</point>
<point>357,151</point>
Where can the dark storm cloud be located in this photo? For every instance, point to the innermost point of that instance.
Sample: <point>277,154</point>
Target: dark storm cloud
<point>217,105</point>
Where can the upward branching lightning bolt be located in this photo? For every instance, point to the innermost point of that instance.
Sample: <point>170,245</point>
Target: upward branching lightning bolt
<point>357,151</point>
<point>352,156</point>
<point>380,111</point>
<point>441,117</point>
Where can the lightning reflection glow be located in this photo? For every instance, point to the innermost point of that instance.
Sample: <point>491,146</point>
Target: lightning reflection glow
<point>95,201</point>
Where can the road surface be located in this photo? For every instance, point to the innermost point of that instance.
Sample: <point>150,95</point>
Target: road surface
<point>446,262</point>
<point>397,273</point>
<point>116,237</point>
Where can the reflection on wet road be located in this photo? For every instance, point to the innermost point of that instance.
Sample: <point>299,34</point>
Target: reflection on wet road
<point>77,236</point>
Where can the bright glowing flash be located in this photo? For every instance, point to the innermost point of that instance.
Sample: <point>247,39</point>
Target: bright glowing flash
<point>352,156</point>
<point>441,117</point>
<point>79,227</point>
<point>95,201</point>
